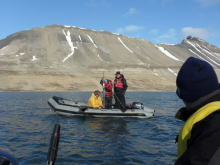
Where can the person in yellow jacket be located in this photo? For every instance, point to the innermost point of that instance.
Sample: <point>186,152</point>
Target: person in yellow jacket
<point>95,100</point>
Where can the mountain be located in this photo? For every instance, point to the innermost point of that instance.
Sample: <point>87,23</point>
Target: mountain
<point>68,58</point>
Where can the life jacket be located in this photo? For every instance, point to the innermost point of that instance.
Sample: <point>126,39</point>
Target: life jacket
<point>185,132</point>
<point>95,102</point>
<point>119,83</point>
<point>109,86</point>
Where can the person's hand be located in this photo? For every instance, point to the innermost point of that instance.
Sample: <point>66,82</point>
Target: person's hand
<point>101,106</point>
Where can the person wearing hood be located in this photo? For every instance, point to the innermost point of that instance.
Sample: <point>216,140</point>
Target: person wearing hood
<point>120,87</point>
<point>108,92</point>
<point>95,100</point>
<point>199,137</point>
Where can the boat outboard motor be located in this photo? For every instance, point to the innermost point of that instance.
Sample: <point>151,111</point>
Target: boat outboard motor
<point>54,143</point>
<point>137,105</point>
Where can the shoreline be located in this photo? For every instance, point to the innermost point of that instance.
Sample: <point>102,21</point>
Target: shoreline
<point>83,91</point>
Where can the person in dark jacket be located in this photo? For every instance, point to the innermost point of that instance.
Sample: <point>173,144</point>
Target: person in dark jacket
<point>199,137</point>
<point>120,87</point>
<point>108,92</point>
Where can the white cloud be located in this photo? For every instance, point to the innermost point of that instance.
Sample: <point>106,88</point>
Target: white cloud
<point>208,2</point>
<point>130,29</point>
<point>169,34</point>
<point>132,11</point>
<point>154,31</point>
<point>168,37</point>
<point>197,32</point>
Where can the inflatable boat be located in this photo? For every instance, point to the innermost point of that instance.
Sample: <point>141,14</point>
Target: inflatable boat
<point>67,107</point>
<point>7,157</point>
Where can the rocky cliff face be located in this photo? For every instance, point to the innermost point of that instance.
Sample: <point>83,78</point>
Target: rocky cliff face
<point>66,58</point>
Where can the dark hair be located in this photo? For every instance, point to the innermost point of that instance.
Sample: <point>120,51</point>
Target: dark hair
<point>117,73</point>
<point>96,92</point>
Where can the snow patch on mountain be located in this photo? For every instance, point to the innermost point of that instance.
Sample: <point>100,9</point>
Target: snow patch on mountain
<point>167,44</point>
<point>4,47</point>
<point>201,57</point>
<point>138,48</point>
<point>68,38</point>
<point>168,53</point>
<point>92,41</point>
<point>67,26</point>
<point>100,58</point>
<point>80,38</point>
<point>205,47</point>
<point>34,58</point>
<point>124,45</point>
<point>199,46</point>
<point>206,51</point>
<point>172,71</point>
<point>140,62</point>
<point>202,53</point>
<point>211,54</point>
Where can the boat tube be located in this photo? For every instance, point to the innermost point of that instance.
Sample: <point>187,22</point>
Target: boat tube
<point>67,107</point>
<point>7,157</point>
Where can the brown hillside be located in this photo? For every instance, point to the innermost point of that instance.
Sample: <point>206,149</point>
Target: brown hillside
<point>61,58</point>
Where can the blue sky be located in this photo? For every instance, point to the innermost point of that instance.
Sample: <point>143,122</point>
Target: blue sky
<point>159,21</point>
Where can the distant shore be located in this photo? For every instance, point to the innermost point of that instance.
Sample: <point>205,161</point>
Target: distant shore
<point>84,91</point>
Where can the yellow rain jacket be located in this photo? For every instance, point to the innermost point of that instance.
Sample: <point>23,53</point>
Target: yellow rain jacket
<point>95,102</point>
<point>185,132</point>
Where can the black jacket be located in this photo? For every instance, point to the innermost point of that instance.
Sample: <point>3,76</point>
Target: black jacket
<point>203,147</point>
<point>125,86</point>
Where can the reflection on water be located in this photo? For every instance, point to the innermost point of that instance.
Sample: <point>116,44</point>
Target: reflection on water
<point>27,124</point>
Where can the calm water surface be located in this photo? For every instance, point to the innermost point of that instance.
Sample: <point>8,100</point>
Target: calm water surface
<point>27,123</point>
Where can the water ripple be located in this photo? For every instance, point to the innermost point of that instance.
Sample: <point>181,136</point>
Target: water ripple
<point>27,123</point>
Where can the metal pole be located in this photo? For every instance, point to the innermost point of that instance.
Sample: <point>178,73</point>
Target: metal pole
<point>103,85</point>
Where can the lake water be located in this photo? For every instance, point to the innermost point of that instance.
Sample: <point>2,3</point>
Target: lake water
<point>27,123</point>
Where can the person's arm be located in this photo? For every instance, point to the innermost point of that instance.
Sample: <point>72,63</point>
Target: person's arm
<point>108,87</point>
<point>100,102</point>
<point>101,81</point>
<point>125,86</point>
<point>90,102</point>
